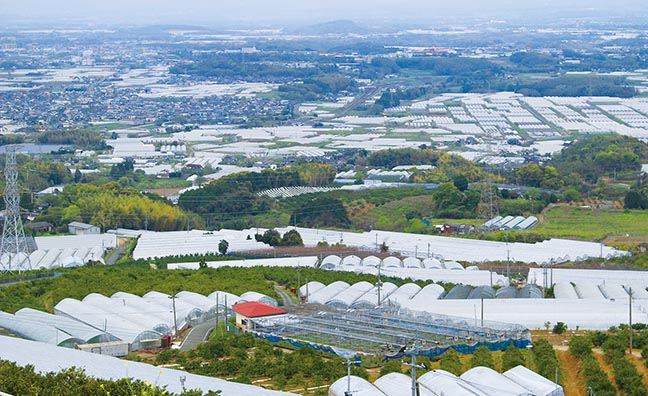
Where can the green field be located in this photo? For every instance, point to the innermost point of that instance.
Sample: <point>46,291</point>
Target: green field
<point>594,224</point>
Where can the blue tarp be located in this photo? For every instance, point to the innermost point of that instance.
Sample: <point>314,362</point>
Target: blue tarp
<point>431,352</point>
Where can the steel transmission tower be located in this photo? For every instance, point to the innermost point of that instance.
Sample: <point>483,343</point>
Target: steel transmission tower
<point>13,235</point>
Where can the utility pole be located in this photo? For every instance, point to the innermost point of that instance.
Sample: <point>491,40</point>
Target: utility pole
<point>217,314</point>
<point>14,243</point>
<point>379,283</point>
<point>175,319</point>
<point>226,324</point>
<point>630,317</point>
<point>348,363</point>
<point>414,351</point>
<point>482,310</point>
<point>508,260</point>
<point>298,284</point>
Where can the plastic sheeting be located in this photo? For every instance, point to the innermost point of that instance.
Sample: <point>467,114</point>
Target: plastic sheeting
<point>344,299</point>
<point>357,385</point>
<point>482,292</point>
<point>459,292</point>
<point>119,327</point>
<point>442,382</point>
<point>537,384</point>
<point>428,293</point>
<point>370,298</point>
<point>493,383</point>
<point>255,296</point>
<point>565,290</point>
<point>310,288</point>
<point>73,327</point>
<point>324,295</point>
<point>589,290</point>
<point>146,319</point>
<point>223,297</point>
<point>397,384</point>
<point>587,314</point>
<point>458,249</point>
<point>37,331</point>
<point>303,261</point>
<point>46,358</point>
<point>403,293</point>
<point>371,261</point>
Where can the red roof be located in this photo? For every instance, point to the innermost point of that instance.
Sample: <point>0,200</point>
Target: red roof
<point>253,309</point>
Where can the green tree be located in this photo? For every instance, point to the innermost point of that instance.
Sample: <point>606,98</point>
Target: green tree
<point>292,238</point>
<point>559,328</point>
<point>270,237</point>
<point>512,357</point>
<point>223,245</point>
<point>460,182</point>
<point>450,362</point>
<point>571,195</point>
<point>392,366</point>
<point>634,200</point>
<point>580,346</point>
<point>482,357</point>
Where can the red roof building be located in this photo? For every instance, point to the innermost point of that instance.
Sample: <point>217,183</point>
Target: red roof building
<point>252,309</point>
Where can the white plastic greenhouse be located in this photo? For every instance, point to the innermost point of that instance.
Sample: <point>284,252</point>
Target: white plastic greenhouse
<point>330,262</point>
<point>403,293</point>
<point>310,288</point>
<point>392,262</point>
<point>589,290</point>
<point>302,261</point>
<point>537,384</point>
<point>352,260</point>
<point>614,291</point>
<point>146,319</point>
<point>428,293</point>
<point>186,313</point>
<point>397,384</point>
<point>36,331</point>
<point>259,297</point>
<point>371,261</point>
<point>327,293</point>
<point>224,297</point>
<point>206,304</point>
<point>73,327</point>
<point>432,263</point>
<point>565,290</point>
<point>344,299</point>
<point>493,383</point>
<point>357,385</point>
<point>370,298</point>
<point>46,358</point>
<point>442,382</point>
<point>136,335</point>
<point>412,262</point>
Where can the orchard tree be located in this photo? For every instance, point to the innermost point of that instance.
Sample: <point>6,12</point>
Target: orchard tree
<point>223,245</point>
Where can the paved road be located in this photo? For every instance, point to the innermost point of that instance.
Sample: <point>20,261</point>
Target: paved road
<point>116,255</point>
<point>287,299</point>
<point>197,335</point>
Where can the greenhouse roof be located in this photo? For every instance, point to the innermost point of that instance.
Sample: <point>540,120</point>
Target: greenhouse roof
<point>47,358</point>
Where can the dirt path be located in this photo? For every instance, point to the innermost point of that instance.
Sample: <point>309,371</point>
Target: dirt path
<point>573,380</point>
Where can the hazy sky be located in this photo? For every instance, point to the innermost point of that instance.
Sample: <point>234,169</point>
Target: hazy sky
<point>282,11</point>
